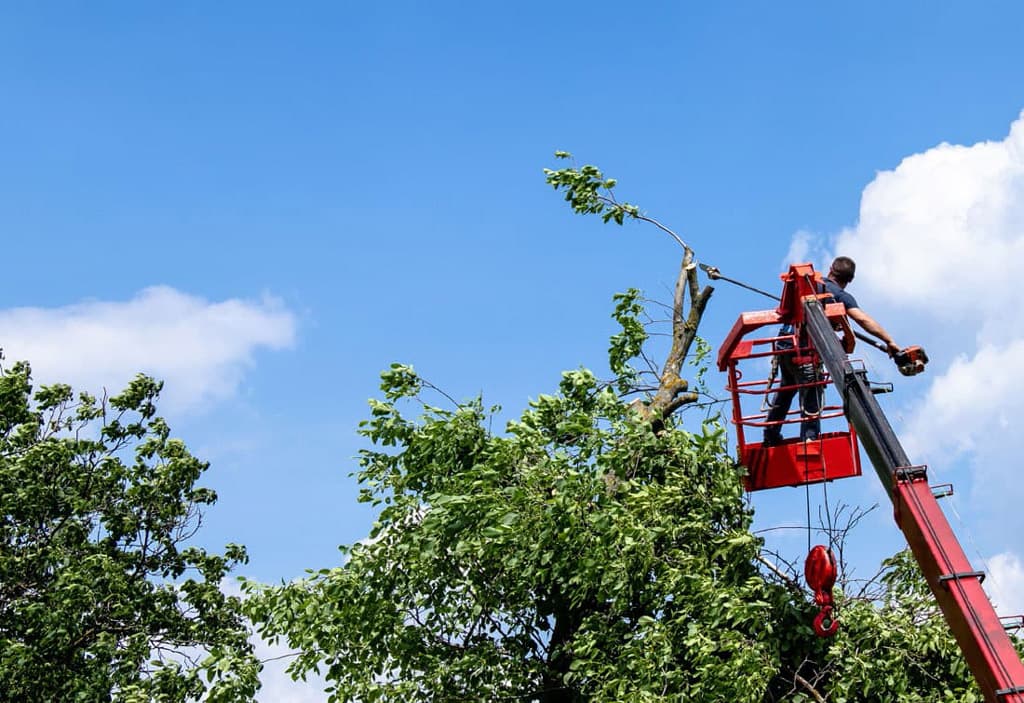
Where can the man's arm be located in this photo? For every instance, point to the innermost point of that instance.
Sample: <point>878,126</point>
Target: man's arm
<point>872,327</point>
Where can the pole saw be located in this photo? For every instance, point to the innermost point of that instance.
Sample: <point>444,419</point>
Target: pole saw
<point>910,360</point>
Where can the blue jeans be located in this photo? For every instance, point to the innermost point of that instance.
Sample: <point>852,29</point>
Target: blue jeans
<point>792,374</point>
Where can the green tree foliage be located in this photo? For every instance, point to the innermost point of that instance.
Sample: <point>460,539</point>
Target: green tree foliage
<point>579,556</point>
<point>898,642</point>
<point>583,556</point>
<point>100,598</point>
<point>588,192</point>
<point>596,550</point>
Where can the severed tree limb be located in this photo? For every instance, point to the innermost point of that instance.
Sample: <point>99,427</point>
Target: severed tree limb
<point>807,686</point>
<point>637,215</point>
<point>792,584</point>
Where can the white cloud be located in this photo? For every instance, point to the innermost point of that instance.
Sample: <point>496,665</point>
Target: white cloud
<point>941,231</point>
<point>938,243</point>
<point>1005,583</point>
<point>974,400</point>
<point>201,349</point>
<point>276,685</point>
<point>806,246</point>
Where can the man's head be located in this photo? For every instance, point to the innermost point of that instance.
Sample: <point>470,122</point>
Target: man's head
<point>842,270</point>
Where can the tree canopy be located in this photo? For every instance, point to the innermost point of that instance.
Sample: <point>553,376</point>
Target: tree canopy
<point>578,556</point>
<point>101,594</point>
<point>596,549</point>
<point>581,556</point>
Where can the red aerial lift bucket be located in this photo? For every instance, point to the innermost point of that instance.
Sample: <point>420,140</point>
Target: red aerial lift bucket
<point>833,455</point>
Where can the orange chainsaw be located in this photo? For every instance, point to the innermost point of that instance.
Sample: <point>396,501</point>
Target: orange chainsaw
<point>910,361</point>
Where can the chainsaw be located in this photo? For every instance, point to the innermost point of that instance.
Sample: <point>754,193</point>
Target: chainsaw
<point>910,361</point>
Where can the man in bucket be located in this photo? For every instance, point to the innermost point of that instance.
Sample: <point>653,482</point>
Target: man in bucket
<point>792,374</point>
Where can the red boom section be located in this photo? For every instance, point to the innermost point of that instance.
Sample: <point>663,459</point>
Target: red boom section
<point>957,588</point>
<point>955,584</point>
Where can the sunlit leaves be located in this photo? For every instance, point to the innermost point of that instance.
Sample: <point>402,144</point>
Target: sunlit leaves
<point>580,556</point>
<point>577,556</point>
<point>588,191</point>
<point>98,594</point>
<point>400,381</point>
<point>627,344</point>
<point>900,648</point>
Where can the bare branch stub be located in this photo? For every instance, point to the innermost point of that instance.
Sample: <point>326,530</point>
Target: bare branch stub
<point>809,687</point>
<point>790,582</point>
<point>672,388</point>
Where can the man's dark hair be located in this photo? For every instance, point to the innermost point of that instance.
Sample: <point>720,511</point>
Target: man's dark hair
<point>842,269</point>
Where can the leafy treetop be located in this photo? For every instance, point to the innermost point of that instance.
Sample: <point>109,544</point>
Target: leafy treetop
<point>101,595</point>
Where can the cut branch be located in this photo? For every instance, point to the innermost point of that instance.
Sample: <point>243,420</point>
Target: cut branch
<point>588,191</point>
<point>672,388</point>
<point>807,686</point>
<point>790,582</point>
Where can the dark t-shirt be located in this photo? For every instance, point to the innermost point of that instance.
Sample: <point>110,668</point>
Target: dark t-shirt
<point>838,294</point>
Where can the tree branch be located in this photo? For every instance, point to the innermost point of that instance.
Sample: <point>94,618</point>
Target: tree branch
<point>806,685</point>
<point>790,582</point>
<point>588,191</point>
<point>637,216</point>
<point>672,388</point>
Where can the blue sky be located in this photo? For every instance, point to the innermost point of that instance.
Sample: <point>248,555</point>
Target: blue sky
<point>266,205</point>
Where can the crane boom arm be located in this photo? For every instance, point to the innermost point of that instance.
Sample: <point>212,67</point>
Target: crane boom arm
<point>955,584</point>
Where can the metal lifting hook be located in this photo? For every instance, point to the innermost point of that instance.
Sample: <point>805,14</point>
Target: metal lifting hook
<point>820,572</point>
